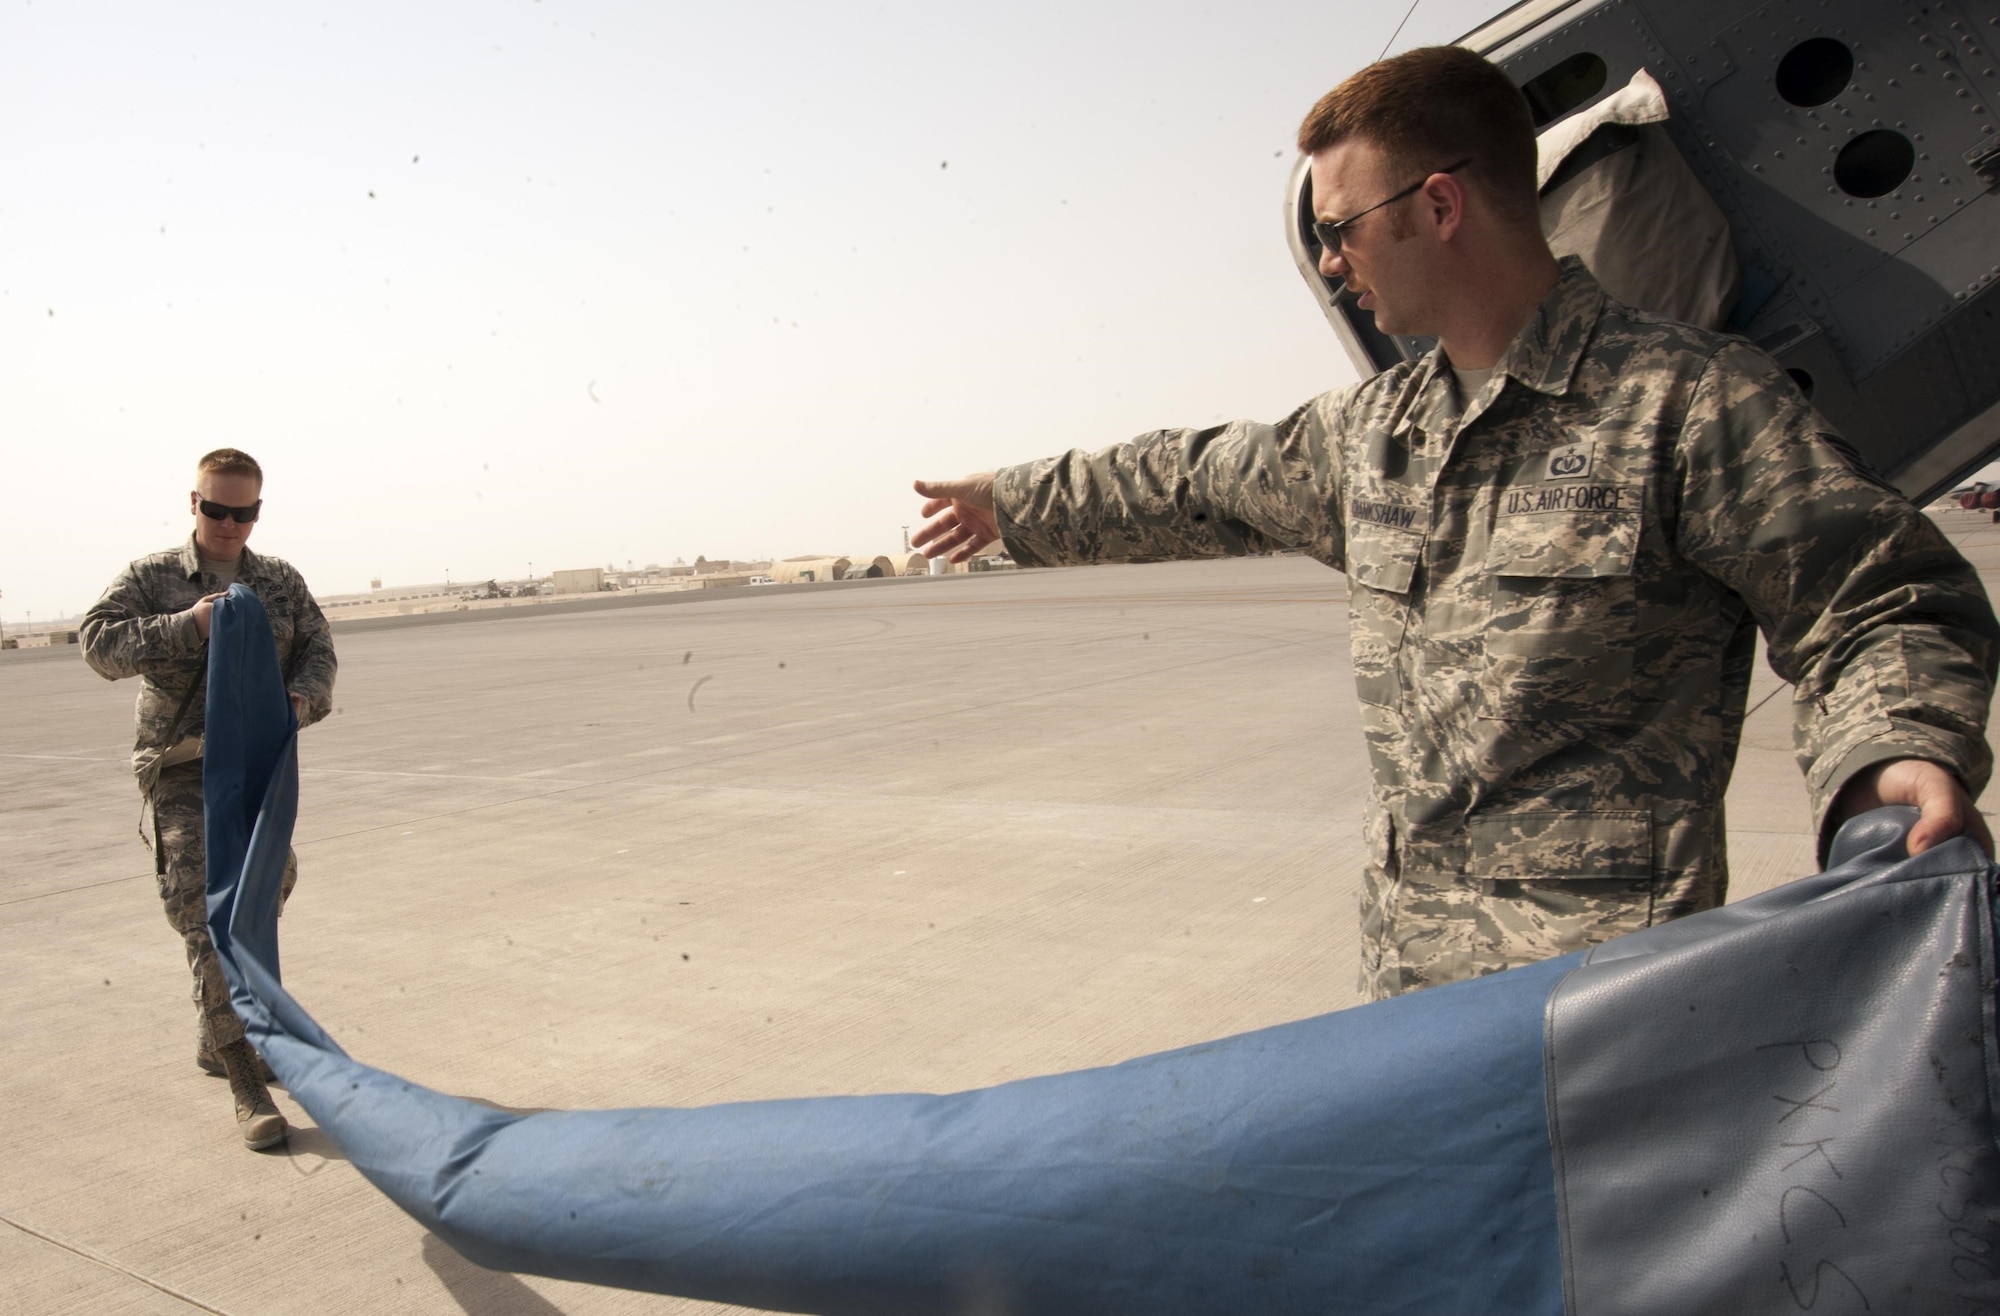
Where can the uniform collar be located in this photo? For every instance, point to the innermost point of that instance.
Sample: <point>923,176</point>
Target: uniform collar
<point>1434,402</point>
<point>246,565</point>
<point>1544,355</point>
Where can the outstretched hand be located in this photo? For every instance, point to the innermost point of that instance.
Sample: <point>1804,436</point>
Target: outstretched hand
<point>963,520</point>
<point>1936,793</point>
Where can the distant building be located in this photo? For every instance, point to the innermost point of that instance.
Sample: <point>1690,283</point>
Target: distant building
<point>711,574</point>
<point>584,580</point>
<point>403,594</point>
<point>705,566</point>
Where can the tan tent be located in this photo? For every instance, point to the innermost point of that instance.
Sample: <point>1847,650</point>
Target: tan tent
<point>862,565</point>
<point>794,570</point>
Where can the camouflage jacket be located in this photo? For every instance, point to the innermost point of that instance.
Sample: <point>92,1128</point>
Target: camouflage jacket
<point>142,627</point>
<point>1555,589</point>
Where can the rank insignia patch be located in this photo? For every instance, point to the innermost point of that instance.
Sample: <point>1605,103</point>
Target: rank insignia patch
<point>1569,462</point>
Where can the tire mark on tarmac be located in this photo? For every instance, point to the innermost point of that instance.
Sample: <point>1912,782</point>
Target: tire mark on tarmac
<point>1295,637</point>
<point>568,786</point>
<point>1098,600</point>
<point>432,776</point>
<point>450,695</point>
<point>1117,678</point>
<point>845,609</point>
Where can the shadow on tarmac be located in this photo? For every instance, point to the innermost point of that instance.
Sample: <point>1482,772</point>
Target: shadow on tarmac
<point>309,1150</point>
<point>481,1291</point>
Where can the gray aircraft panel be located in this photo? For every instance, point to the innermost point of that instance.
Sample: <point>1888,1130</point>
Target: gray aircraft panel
<point>1853,146</point>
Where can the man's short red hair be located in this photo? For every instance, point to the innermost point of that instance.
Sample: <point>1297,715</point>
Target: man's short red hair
<point>1431,106</point>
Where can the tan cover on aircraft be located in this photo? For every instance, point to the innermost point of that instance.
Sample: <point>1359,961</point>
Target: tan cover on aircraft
<point>1637,216</point>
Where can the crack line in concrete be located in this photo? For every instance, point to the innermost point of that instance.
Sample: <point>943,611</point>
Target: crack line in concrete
<point>65,758</point>
<point>88,1255</point>
<point>1768,697</point>
<point>44,895</point>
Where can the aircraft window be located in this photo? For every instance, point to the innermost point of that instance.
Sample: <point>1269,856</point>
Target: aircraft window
<point>1874,164</point>
<point>1803,378</point>
<point>1561,89</point>
<point>1815,71</point>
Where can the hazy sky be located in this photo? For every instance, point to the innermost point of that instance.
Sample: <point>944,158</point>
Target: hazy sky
<point>572,282</point>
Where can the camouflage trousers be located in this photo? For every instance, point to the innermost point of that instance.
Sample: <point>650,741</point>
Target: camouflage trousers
<point>1423,932</point>
<point>181,863</point>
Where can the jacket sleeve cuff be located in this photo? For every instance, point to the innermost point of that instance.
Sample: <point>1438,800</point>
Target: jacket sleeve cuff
<point>1012,500</point>
<point>1917,743</point>
<point>187,639</point>
<point>316,703</point>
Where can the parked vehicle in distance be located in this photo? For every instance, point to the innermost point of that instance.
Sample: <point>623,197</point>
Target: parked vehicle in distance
<point>762,580</point>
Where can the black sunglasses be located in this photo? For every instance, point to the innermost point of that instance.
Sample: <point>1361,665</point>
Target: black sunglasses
<point>1328,230</point>
<point>240,515</point>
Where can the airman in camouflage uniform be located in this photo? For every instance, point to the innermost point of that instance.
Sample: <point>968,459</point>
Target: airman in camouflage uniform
<point>152,623</point>
<point>1557,573</point>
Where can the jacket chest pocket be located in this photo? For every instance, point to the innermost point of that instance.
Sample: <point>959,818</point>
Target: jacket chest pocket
<point>1562,619</point>
<point>277,606</point>
<point>1381,563</point>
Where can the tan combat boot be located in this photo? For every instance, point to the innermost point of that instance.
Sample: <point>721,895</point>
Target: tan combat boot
<point>207,1062</point>
<point>257,1117</point>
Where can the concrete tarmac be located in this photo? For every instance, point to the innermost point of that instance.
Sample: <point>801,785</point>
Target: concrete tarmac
<point>924,835</point>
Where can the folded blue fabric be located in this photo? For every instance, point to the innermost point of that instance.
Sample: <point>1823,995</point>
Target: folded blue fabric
<point>1780,1106</point>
